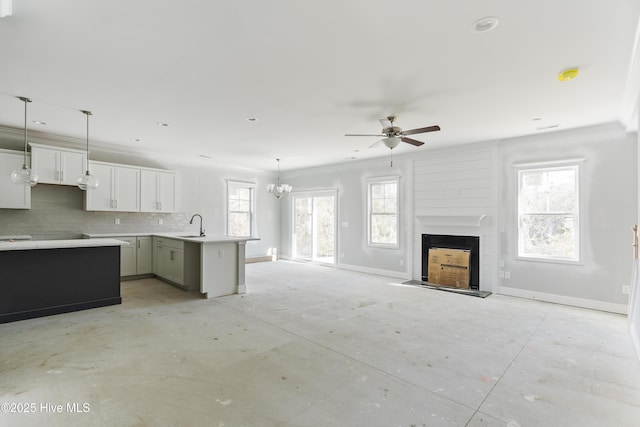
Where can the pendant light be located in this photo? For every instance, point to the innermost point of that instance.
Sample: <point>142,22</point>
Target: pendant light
<point>87,181</point>
<point>278,189</point>
<point>24,176</point>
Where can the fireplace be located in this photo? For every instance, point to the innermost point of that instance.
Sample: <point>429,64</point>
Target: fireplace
<point>454,261</point>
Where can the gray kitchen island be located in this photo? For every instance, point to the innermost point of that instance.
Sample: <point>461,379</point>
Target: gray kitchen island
<point>42,278</point>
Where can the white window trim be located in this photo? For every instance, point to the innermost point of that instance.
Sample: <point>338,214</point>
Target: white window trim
<point>376,180</point>
<point>242,184</point>
<point>547,166</point>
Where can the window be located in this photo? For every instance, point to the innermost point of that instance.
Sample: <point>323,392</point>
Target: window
<point>383,212</point>
<point>548,220</point>
<point>240,210</point>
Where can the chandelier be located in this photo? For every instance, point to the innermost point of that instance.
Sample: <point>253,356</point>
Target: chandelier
<point>278,189</point>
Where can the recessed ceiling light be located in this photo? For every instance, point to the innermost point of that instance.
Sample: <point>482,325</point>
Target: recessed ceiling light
<point>164,125</point>
<point>569,74</point>
<point>38,122</point>
<point>204,156</point>
<point>537,119</point>
<point>134,139</point>
<point>350,158</point>
<point>251,119</point>
<point>485,24</point>
<point>548,127</point>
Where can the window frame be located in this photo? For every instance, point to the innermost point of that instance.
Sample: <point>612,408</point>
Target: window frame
<point>573,164</point>
<point>370,183</point>
<point>252,206</point>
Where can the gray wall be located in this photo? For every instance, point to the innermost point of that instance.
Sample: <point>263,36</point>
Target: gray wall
<point>350,181</point>
<point>608,209</point>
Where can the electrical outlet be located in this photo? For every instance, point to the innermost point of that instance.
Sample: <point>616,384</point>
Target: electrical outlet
<point>501,274</point>
<point>159,221</point>
<point>401,262</point>
<point>626,289</point>
<point>116,221</point>
<point>507,275</point>
<point>501,263</point>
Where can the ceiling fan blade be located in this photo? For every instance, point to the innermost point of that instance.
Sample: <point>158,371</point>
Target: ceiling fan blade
<point>386,123</point>
<point>362,134</point>
<point>375,144</point>
<point>420,130</point>
<point>412,141</point>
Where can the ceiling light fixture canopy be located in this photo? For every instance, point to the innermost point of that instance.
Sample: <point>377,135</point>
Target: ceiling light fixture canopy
<point>278,189</point>
<point>87,181</point>
<point>24,176</point>
<point>485,24</point>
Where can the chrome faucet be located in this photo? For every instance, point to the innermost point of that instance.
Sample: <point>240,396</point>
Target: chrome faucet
<point>201,229</point>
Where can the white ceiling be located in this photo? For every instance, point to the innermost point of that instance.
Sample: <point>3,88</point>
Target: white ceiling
<point>309,71</point>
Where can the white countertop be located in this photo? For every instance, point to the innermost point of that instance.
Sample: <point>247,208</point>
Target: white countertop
<point>57,244</point>
<point>178,235</point>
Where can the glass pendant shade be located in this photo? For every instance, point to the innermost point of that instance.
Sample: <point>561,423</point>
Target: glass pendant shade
<point>24,176</point>
<point>86,181</point>
<point>278,189</point>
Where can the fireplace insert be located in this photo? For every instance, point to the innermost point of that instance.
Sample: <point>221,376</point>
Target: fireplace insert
<point>465,243</point>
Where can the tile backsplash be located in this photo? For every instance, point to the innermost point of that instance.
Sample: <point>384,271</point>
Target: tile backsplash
<point>57,212</point>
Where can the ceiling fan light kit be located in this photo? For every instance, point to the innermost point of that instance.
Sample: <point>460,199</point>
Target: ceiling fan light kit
<point>394,134</point>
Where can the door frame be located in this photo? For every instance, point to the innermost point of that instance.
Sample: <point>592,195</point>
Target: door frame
<point>315,193</point>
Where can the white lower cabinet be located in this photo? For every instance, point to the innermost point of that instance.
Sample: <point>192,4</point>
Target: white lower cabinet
<point>136,257</point>
<point>168,259</point>
<point>144,259</point>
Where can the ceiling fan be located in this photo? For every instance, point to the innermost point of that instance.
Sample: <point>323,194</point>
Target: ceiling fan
<point>393,135</point>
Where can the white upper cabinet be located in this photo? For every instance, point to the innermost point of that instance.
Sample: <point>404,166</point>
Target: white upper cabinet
<point>118,188</point>
<point>55,165</point>
<point>157,191</point>
<point>12,196</point>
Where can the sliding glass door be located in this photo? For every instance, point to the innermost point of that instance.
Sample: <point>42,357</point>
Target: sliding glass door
<point>314,227</point>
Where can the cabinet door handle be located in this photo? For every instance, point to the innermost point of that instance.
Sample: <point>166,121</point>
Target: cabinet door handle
<point>171,255</point>
<point>57,175</point>
<point>138,244</point>
<point>61,175</point>
<point>115,204</point>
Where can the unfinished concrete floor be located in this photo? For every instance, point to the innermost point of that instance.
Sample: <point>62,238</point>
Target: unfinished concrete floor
<point>316,346</point>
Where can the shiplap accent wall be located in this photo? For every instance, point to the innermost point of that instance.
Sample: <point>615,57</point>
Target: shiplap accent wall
<point>455,192</point>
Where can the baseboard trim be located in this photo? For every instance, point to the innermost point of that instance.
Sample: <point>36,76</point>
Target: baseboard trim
<point>376,271</point>
<point>266,258</point>
<point>563,299</point>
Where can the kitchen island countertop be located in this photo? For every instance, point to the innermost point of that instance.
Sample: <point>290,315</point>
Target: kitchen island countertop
<point>57,244</point>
